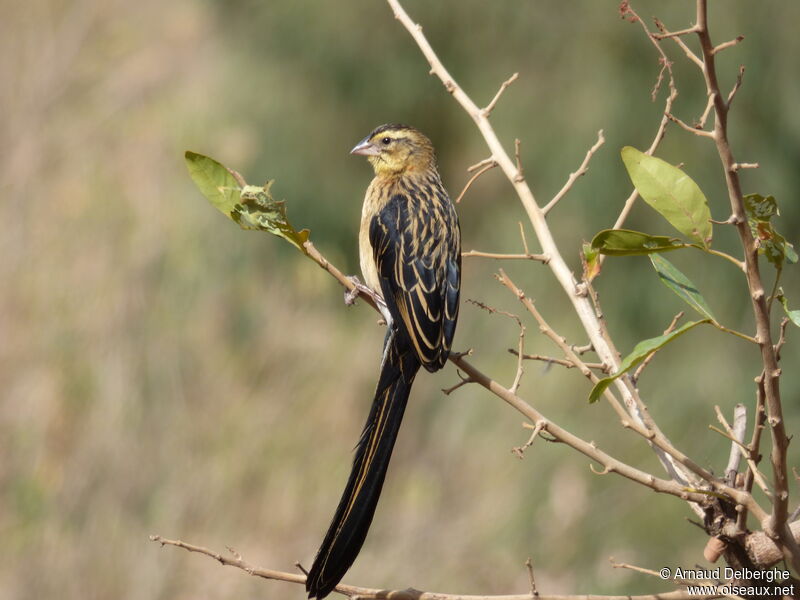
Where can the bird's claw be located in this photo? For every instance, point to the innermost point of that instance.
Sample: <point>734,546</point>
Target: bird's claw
<point>357,289</point>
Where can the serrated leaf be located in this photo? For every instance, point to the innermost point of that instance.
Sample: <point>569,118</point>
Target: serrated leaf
<point>681,285</point>
<point>251,206</point>
<point>671,192</point>
<point>760,209</point>
<point>794,315</point>
<point>590,260</point>
<point>622,242</point>
<point>638,354</point>
<point>215,181</point>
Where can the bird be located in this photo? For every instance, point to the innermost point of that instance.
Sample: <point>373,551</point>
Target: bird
<point>410,258</point>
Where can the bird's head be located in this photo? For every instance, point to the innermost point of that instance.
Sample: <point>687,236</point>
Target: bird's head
<point>397,149</point>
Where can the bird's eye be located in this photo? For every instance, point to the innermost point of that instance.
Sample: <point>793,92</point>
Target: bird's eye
<point>385,141</point>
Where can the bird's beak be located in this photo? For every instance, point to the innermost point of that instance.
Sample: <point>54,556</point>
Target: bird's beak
<point>365,148</point>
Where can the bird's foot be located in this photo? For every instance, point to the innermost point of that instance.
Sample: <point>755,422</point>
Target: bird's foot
<point>357,289</point>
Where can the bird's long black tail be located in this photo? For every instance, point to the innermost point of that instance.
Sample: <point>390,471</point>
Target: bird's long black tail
<point>349,527</point>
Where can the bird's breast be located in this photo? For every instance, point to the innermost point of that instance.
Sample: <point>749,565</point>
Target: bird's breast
<point>378,194</point>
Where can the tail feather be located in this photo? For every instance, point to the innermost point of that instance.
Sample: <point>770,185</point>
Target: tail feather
<point>352,519</point>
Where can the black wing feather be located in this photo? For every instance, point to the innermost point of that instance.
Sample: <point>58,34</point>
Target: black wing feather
<point>418,254</point>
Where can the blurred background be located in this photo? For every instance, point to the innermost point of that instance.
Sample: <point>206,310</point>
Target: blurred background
<point>162,371</point>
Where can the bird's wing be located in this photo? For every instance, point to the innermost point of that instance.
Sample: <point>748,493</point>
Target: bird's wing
<point>417,252</point>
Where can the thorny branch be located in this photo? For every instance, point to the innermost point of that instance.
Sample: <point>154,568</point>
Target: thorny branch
<point>776,525</point>
<point>363,593</point>
<point>574,176</point>
<point>521,344</point>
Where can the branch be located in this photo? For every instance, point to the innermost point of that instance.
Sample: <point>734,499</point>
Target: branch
<point>490,107</point>
<point>491,164</point>
<point>689,128</point>
<point>737,437</point>
<point>737,431</point>
<point>753,447</point>
<point>560,361</point>
<point>574,176</point>
<point>537,429</point>
<point>736,87</point>
<point>363,593</point>
<point>521,344</point>
<point>689,54</point>
<point>476,254</point>
<point>776,525</point>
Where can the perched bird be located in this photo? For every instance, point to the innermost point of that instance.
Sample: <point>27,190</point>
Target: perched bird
<point>410,253</point>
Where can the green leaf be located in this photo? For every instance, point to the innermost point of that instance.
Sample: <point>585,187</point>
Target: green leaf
<point>681,285</point>
<point>760,209</point>
<point>259,211</point>
<point>251,206</point>
<point>671,192</point>
<point>639,353</point>
<point>622,242</point>
<point>794,315</point>
<point>215,181</point>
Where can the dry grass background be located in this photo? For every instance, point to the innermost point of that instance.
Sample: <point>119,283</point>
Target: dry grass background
<point>163,372</point>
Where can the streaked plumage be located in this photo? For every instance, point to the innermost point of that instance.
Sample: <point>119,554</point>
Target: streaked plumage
<point>410,252</point>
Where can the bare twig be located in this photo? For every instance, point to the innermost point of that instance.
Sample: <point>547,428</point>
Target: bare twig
<point>537,429</point>
<point>521,344</point>
<point>737,431</point>
<point>499,256</point>
<point>522,236</point>
<point>574,176</point>
<point>736,86</point>
<point>490,107</point>
<point>689,128</point>
<point>674,34</point>
<point>464,381</point>
<point>630,567</point>
<point>486,167</point>
<point>519,177</point>
<point>560,361</point>
<point>364,593</point>
<point>531,579</point>
<point>689,54</point>
<point>737,437</point>
<point>480,164</point>
<point>728,44</point>
<point>781,337</point>
<point>753,447</point>
<point>701,123</point>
